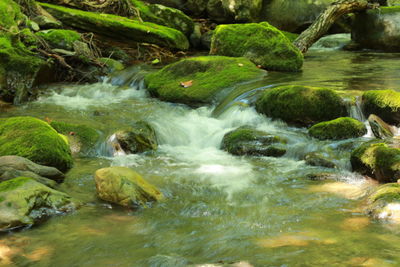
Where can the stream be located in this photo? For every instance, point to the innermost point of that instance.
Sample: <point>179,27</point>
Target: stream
<point>219,209</point>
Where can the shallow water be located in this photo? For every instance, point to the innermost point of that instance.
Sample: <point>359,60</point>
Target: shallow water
<point>219,208</point>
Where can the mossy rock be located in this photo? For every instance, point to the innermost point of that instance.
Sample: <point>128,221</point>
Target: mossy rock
<point>119,28</point>
<point>380,128</point>
<point>111,64</point>
<point>173,18</point>
<point>384,202</point>
<point>124,186</point>
<point>301,105</point>
<point>141,137</point>
<point>209,75</point>
<point>35,140</point>
<point>24,202</point>
<point>383,103</point>
<point>318,159</point>
<point>246,140</point>
<point>10,14</point>
<point>377,160</point>
<point>340,128</point>
<point>262,43</point>
<point>87,136</point>
<point>63,39</point>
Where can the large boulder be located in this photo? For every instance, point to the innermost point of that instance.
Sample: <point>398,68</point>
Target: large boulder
<point>125,187</point>
<point>378,29</point>
<point>377,160</point>
<point>381,129</point>
<point>35,140</point>
<point>198,80</point>
<point>24,202</point>
<point>340,128</point>
<point>262,43</point>
<point>139,138</point>
<point>81,138</point>
<point>384,203</point>
<point>246,140</point>
<point>228,11</point>
<point>173,18</point>
<point>383,103</point>
<point>15,166</point>
<point>120,28</point>
<point>301,105</point>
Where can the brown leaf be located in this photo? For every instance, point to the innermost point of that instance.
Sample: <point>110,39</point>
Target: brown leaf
<point>48,120</point>
<point>186,84</point>
<point>240,65</point>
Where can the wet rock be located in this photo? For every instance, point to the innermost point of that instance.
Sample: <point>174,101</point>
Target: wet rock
<point>377,160</point>
<point>322,176</point>
<point>383,103</point>
<point>333,41</point>
<point>139,138</point>
<point>125,187</point>
<point>205,78</point>
<point>25,202</point>
<point>206,39</point>
<point>111,65</point>
<point>246,140</point>
<point>316,159</point>
<point>301,105</point>
<point>378,29</point>
<point>35,140</point>
<point>261,43</point>
<point>173,18</point>
<point>340,128</point>
<point>15,166</point>
<point>384,203</point>
<point>120,28</point>
<point>63,39</point>
<point>227,11</point>
<point>81,138</point>
<point>45,22</point>
<point>381,129</point>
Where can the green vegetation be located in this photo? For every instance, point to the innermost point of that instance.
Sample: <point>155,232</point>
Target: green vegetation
<point>60,38</point>
<point>388,193</point>
<point>384,103</point>
<point>340,128</point>
<point>35,140</point>
<point>13,183</point>
<point>262,43</point>
<point>301,105</point>
<point>209,75</point>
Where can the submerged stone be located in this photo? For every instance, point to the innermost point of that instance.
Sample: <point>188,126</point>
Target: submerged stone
<point>198,80</point>
<point>24,202</point>
<point>317,159</point>
<point>35,140</point>
<point>340,128</point>
<point>247,140</point>
<point>120,28</point>
<point>125,187</point>
<point>262,43</point>
<point>383,103</point>
<point>301,105</point>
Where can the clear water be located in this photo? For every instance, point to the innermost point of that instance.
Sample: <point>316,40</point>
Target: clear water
<point>219,209</point>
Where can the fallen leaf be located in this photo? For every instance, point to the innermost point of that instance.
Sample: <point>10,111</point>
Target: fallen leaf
<point>240,65</point>
<point>259,66</point>
<point>48,120</point>
<point>155,61</point>
<point>71,133</point>
<point>186,84</point>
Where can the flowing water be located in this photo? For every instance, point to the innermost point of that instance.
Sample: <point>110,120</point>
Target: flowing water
<point>219,208</point>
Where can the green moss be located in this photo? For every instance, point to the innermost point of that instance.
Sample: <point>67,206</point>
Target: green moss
<point>119,27</point>
<point>340,128</point>
<point>363,158</point>
<point>13,183</point>
<point>63,39</point>
<point>36,140</point>
<point>290,36</point>
<point>112,64</point>
<point>387,10</point>
<point>210,74</point>
<point>87,136</point>
<point>301,105</point>
<point>261,43</point>
<point>388,193</point>
<point>384,103</point>
<point>10,14</point>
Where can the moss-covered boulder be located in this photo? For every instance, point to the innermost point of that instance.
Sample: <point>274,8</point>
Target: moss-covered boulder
<point>81,138</point>
<point>247,140</point>
<point>228,11</point>
<point>384,203</point>
<point>301,105</point>
<point>262,43</point>
<point>379,128</point>
<point>383,103</point>
<point>340,128</point>
<point>139,138</point>
<point>173,18</point>
<point>35,140</point>
<point>24,202</point>
<point>318,159</point>
<point>377,160</point>
<point>63,39</point>
<point>198,80</point>
<point>125,187</point>
<point>120,28</point>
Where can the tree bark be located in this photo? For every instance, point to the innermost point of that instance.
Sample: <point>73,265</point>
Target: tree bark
<point>325,20</point>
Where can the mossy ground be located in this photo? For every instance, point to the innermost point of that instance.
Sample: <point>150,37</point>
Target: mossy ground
<point>210,74</point>
<point>260,42</point>
<point>340,128</point>
<point>60,38</point>
<point>301,105</point>
<point>119,27</point>
<point>35,140</point>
